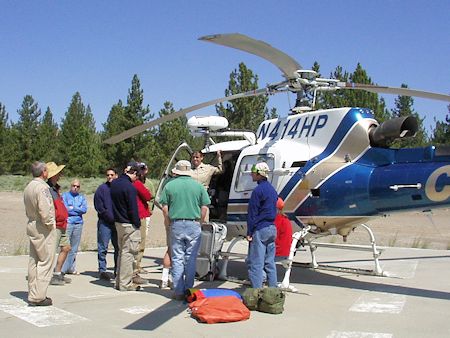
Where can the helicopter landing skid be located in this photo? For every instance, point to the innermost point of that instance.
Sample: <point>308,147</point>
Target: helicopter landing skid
<point>376,252</point>
<point>289,263</point>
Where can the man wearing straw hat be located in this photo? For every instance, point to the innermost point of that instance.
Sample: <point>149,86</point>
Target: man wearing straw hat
<point>41,231</point>
<point>185,203</point>
<point>61,215</point>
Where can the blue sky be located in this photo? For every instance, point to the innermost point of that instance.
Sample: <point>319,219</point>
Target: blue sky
<point>52,49</point>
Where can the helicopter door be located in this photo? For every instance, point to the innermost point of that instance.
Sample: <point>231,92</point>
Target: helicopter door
<point>183,152</point>
<point>243,185</point>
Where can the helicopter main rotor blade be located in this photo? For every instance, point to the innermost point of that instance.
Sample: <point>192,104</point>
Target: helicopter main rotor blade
<point>393,90</point>
<point>143,127</point>
<point>284,62</point>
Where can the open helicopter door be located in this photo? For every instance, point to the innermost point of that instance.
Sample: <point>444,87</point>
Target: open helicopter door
<point>183,152</point>
<point>241,190</point>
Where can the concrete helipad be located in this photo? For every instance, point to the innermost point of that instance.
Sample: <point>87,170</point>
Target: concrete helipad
<point>413,301</point>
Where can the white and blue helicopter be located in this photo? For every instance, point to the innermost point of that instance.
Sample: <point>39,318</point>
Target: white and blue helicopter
<point>332,167</point>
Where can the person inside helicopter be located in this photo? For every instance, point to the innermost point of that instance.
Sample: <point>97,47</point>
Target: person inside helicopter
<point>202,172</point>
<point>222,185</point>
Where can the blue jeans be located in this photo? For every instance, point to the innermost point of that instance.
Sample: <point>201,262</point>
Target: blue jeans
<point>185,239</point>
<point>261,257</point>
<point>73,233</point>
<point>106,233</point>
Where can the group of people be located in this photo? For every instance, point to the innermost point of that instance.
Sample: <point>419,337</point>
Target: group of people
<point>54,221</point>
<point>122,205</point>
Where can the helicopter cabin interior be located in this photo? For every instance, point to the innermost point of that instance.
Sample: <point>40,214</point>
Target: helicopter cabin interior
<point>232,177</point>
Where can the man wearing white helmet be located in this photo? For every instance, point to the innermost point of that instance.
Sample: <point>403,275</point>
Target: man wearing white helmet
<point>261,230</point>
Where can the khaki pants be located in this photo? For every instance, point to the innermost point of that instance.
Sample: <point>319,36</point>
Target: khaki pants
<point>143,231</point>
<point>41,261</point>
<point>128,238</point>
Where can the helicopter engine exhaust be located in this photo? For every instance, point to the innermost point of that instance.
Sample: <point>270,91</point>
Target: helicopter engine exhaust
<point>390,130</point>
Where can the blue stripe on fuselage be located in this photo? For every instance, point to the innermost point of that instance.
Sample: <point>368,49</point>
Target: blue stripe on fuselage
<point>352,116</point>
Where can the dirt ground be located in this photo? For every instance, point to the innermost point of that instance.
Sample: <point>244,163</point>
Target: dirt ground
<point>14,240</point>
<point>413,229</point>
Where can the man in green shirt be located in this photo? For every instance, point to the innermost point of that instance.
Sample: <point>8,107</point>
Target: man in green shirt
<point>184,204</point>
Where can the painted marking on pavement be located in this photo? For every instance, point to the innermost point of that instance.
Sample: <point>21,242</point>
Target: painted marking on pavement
<point>379,302</point>
<point>146,309</point>
<point>39,316</point>
<point>356,334</point>
<point>137,310</point>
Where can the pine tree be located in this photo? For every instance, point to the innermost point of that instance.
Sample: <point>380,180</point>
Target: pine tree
<point>47,138</point>
<point>112,126</point>
<point>167,137</point>
<point>79,144</point>
<point>404,107</point>
<point>6,158</point>
<point>25,132</point>
<point>122,118</point>
<point>353,98</point>
<point>441,131</point>
<point>245,113</point>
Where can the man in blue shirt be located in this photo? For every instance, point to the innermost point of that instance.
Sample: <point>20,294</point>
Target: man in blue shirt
<point>261,230</point>
<point>106,229</point>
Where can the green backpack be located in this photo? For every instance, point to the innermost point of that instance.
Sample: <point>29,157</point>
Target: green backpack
<point>269,300</point>
<point>250,298</point>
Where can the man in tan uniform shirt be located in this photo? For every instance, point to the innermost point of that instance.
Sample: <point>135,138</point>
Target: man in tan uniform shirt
<point>202,172</point>
<point>41,231</point>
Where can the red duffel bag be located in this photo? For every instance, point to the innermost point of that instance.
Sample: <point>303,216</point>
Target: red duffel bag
<point>219,310</point>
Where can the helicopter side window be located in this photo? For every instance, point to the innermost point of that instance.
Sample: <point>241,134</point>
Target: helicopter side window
<point>244,180</point>
<point>298,164</point>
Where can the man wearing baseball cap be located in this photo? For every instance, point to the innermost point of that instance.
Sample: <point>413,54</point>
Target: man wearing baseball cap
<point>261,230</point>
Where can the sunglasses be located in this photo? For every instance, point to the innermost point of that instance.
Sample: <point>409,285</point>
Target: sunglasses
<point>75,186</point>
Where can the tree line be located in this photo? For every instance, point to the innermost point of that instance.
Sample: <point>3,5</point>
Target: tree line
<point>76,142</point>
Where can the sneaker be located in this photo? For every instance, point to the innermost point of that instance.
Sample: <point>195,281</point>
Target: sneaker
<point>106,275</point>
<point>66,280</point>
<point>130,287</point>
<point>45,302</point>
<point>139,280</point>
<point>75,272</point>
<point>164,285</point>
<point>57,280</point>
<point>178,297</point>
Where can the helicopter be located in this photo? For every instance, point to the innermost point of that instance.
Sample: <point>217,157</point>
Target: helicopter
<point>333,168</point>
